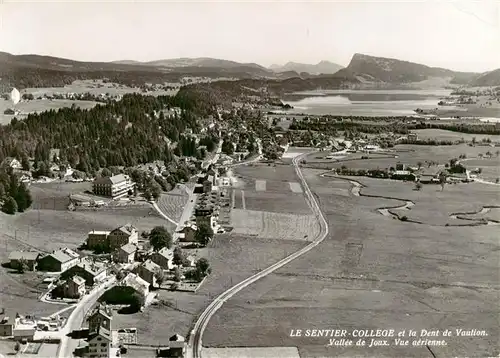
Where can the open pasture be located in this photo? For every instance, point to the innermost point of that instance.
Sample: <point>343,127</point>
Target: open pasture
<point>374,272</point>
<point>266,172</point>
<point>441,134</point>
<point>232,259</point>
<point>38,105</point>
<point>292,203</point>
<point>271,225</point>
<point>251,352</point>
<point>406,154</point>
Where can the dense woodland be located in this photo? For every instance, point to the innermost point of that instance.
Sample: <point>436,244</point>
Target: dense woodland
<point>383,124</point>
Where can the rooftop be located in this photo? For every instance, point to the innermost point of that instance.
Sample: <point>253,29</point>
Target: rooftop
<point>26,255</point>
<point>151,266</point>
<point>129,248</point>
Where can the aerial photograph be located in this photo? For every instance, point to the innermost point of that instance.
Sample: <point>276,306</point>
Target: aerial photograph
<point>249,179</point>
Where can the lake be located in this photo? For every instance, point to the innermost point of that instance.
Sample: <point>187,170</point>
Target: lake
<point>365,102</point>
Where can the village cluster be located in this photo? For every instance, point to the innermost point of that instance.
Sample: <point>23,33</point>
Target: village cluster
<point>125,258</point>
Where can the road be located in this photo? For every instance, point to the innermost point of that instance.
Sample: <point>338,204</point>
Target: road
<point>195,338</point>
<point>75,320</point>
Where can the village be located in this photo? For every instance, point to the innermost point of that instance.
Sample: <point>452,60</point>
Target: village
<point>121,269</point>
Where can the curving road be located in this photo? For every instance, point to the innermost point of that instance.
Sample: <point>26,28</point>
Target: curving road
<point>195,338</point>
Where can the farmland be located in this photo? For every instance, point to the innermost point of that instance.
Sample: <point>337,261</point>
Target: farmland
<point>172,204</point>
<point>232,258</point>
<point>441,134</point>
<point>374,272</point>
<point>408,154</point>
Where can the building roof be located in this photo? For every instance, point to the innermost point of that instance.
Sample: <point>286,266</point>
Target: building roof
<point>151,266</point>
<point>92,268</point>
<point>128,229</point>
<point>129,248</point>
<point>97,232</point>
<point>115,179</point>
<point>78,280</point>
<point>136,282</point>
<point>101,309</point>
<point>166,253</point>
<point>177,338</point>
<point>64,255</point>
<point>26,255</point>
<point>8,318</point>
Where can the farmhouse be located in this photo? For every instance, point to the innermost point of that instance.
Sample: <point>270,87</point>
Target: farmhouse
<point>30,258</point>
<point>125,254</point>
<point>140,285</point>
<point>147,272</point>
<point>99,339</point>
<point>13,163</point>
<point>113,187</point>
<point>7,322</point>
<point>177,346</point>
<point>97,238</point>
<point>189,232</point>
<point>75,287</point>
<point>59,261</point>
<point>126,234</point>
<point>92,272</point>
<point>163,258</point>
<point>412,137</point>
<point>207,185</point>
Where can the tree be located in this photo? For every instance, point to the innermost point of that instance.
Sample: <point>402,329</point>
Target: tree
<point>204,234</point>
<point>105,172</point>
<point>178,256</point>
<point>419,164</point>
<point>177,274</point>
<point>442,180</point>
<point>25,162</point>
<point>159,238</point>
<point>17,347</point>
<point>136,302</point>
<point>227,147</point>
<point>22,266</point>
<point>155,190</point>
<point>9,205</point>
<point>418,186</point>
<point>23,198</point>
<point>202,267</point>
<point>160,277</point>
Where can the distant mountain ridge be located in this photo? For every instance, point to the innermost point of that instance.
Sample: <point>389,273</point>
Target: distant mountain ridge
<point>323,67</point>
<point>491,78</point>
<point>394,71</point>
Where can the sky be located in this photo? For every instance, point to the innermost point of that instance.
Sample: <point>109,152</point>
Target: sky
<point>459,35</point>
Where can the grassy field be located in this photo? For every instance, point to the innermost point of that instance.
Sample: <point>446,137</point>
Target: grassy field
<point>373,272</point>
<point>232,258</point>
<point>406,154</point>
<point>172,205</point>
<point>274,225</point>
<point>267,188</point>
<point>77,87</point>
<point>441,134</point>
<point>36,105</point>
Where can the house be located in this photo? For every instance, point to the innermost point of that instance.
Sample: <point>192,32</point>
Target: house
<point>7,322</point>
<point>30,258</point>
<point>99,340</point>
<point>400,166</point>
<point>147,271</point>
<point>97,238</point>
<point>24,328</point>
<point>125,254</point>
<point>190,261</point>
<point>164,258</point>
<point>113,187</point>
<point>413,137</point>
<point>59,261</point>
<point>207,186</point>
<point>140,285</point>
<point>177,346</point>
<point>13,163</point>
<point>75,287</point>
<point>91,272</point>
<point>189,232</point>
<point>126,234</point>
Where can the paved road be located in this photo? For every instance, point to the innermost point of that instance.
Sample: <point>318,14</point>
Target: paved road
<point>195,338</point>
<point>75,320</point>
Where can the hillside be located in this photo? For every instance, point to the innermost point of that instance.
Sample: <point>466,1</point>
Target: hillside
<point>323,67</point>
<point>491,78</point>
<point>45,71</point>
<point>389,70</point>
